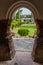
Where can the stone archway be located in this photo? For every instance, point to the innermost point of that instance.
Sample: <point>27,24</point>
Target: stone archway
<point>19,4</point>
<point>37,53</point>
<point>37,50</point>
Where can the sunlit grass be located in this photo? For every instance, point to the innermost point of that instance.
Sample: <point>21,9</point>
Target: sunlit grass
<point>31,27</point>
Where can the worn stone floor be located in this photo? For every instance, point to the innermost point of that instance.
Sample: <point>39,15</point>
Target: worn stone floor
<point>23,44</point>
<point>21,58</point>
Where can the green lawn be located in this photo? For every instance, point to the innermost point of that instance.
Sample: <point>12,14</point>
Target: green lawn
<point>31,27</point>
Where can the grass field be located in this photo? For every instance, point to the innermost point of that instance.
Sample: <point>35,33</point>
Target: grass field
<point>31,27</point>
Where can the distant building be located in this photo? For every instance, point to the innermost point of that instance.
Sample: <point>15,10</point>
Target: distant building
<point>27,19</point>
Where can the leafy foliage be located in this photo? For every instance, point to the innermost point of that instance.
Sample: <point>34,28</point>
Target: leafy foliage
<point>16,23</point>
<point>18,13</point>
<point>23,31</point>
<point>30,16</point>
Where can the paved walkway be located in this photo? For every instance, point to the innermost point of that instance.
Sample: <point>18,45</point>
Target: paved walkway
<point>23,44</point>
<point>22,58</point>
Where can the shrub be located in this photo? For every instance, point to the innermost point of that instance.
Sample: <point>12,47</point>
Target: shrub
<point>23,31</point>
<point>16,23</point>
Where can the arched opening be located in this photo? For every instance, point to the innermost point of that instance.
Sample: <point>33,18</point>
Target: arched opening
<point>25,17</point>
<point>17,5</point>
<point>23,28</point>
<point>24,4</point>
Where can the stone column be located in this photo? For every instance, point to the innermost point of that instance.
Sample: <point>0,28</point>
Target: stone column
<point>7,50</point>
<point>37,53</point>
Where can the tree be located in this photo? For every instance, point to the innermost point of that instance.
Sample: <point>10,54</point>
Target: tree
<point>18,14</point>
<point>30,16</point>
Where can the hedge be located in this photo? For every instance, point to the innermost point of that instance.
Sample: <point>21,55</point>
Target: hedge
<point>23,31</point>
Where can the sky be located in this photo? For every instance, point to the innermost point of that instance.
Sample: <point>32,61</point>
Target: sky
<point>25,11</point>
